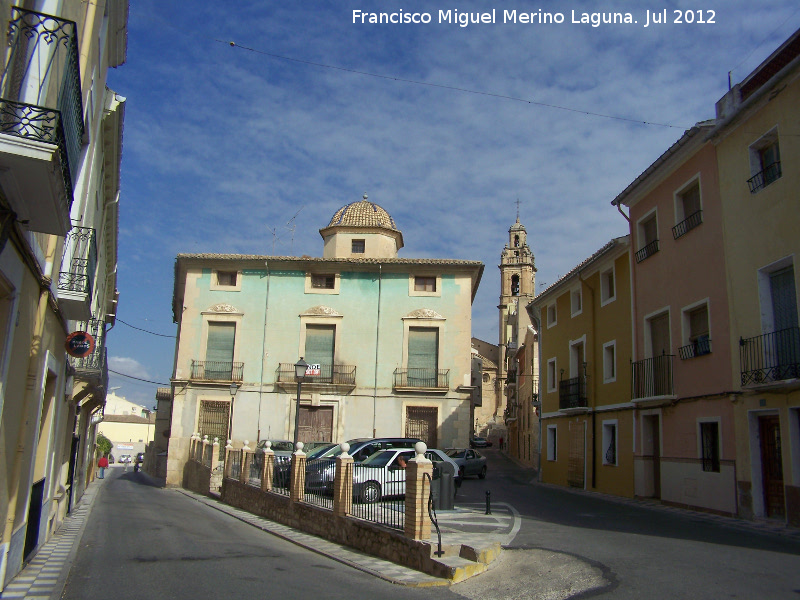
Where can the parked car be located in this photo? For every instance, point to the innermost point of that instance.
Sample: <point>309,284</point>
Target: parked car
<point>435,455</point>
<point>139,458</point>
<point>321,470</point>
<point>479,442</point>
<point>470,462</point>
<point>279,447</point>
<point>381,475</point>
<point>125,458</point>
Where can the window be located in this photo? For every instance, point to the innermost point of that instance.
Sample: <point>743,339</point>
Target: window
<point>358,247</point>
<point>576,301</point>
<point>610,362</point>
<point>648,237</point>
<point>695,332</point>
<point>765,162</point>
<point>608,289</point>
<point>515,285</point>
<point>424,284</point>
<point>320,346</point>
<point>227,278</point>
<point>551,315</point>
<point>610,442</point>
<point>687,209</point>
<point>326,282</point>
<point>552,442</point>
<point>219,350</point>
<point>709,446</point>
<point>423,356</point>
<point>213,420</point>
<point>552,375</point>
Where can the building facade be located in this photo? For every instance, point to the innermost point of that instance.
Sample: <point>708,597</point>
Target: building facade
<point>388,338</point>
<point>587,417</point>
<point>758,156</point>
<point>60,150</point>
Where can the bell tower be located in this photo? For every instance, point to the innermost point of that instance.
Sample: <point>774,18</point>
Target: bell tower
<point>517,289</point>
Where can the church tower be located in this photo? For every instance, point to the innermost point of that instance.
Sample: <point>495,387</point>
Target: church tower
<point>517,289</point>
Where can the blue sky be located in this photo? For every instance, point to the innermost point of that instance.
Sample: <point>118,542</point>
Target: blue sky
<point>224,144</point>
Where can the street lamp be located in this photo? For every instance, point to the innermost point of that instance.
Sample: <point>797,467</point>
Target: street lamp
<point>299,374</point>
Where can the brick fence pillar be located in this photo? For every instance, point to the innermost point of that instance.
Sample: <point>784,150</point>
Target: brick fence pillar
<point>268,468</point>
<point>418,489</point>
<point>343,483</point>
<point>247,458</point>
<point>298,484</point>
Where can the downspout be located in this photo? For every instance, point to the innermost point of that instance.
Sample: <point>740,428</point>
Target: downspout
<point>263,357</point>
<point>594,379</point>
<point>538,323</point>
<point>35,355</point>
<point>377,339</point>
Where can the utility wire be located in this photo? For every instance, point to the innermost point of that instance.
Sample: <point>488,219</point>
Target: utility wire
<point>448,87</point>
<point>137,378</point>
<point>145,330</point>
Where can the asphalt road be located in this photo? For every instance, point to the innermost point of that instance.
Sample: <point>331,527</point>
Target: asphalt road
<point>639,552</point>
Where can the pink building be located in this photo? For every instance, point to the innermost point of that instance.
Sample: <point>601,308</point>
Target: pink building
<point>684,450</point>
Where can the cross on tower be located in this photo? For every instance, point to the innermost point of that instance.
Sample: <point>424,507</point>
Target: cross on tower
<point>518,210</point>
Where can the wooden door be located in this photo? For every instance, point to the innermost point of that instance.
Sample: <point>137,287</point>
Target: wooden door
<point>576,465</point>
<point>771,466</point>
<point>316,424</point>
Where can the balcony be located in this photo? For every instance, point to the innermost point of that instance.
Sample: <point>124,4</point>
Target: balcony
<point>699,347</point>
<point>76,280</point>
<point>651,378</point>
<point>331,377</point>
<point>647,251</point>
<point>217,370</point>
<point>92,370</point>
<point>41,119</point>
<point>687,224</point>
<point>771,357</point>
<point>572,395</point>
<point>417,379</point>
<point>765,177</point>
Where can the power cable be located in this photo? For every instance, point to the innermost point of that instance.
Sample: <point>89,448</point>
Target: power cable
<point>145,330</point>
<point>137,378</point>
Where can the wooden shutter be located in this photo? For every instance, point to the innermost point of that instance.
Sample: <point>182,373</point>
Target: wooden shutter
<point>423,348</point>
<point>320,344</point>
<point>659,335</point>
<point>221,337</point>
<point>784,299</point>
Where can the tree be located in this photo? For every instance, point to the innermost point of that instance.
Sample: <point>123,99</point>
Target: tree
<point>103,444</point>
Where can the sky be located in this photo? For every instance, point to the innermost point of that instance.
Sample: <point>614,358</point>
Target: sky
<point>246,129</point>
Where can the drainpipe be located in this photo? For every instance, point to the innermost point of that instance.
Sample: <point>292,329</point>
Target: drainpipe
<point>538,324</point>
<point>263,358</point>
<point>594,379</point>
<point>33,368</point>
<point>377,339</point>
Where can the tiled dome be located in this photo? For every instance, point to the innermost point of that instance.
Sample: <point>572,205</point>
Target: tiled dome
<point>363,214</point>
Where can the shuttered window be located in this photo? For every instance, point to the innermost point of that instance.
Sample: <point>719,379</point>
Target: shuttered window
<point>221,337</point>
<point>784,299</point>
<point>320,344</point>
<point>423,348</point>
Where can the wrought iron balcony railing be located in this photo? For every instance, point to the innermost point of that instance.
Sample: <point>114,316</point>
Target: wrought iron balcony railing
<point>217,370</point>
<point>422,378</point>
<point>79,261</point>
<point>572,393</point>
<point>94,365</point>
<point>689,223</point>
<point>40,90</point>
<point>647,251</point>
<point>699,347</point>
<point>328,374</point>
<point>770,357</point>
<point>764,178</point>
<point>652,377</point>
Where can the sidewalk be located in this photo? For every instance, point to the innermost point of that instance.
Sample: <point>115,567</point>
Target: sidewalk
<point>45,576</point>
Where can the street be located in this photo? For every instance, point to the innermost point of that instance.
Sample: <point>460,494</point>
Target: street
<point>142,541</point>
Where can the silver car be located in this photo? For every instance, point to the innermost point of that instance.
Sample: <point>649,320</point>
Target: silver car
<point>382,475</point>
<point>470,462</point>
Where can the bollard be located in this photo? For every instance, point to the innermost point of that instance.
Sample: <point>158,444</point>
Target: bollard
<point>488,502</point>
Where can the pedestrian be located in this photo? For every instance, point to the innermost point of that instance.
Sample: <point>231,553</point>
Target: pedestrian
<point>501,442</point>
<point>102,465</point>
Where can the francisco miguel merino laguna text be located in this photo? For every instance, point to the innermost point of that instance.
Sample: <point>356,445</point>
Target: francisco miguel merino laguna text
<point>540,17</point>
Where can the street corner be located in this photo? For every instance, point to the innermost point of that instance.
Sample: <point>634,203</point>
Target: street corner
<point>470,525</point>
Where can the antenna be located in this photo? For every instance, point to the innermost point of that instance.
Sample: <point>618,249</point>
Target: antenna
<point>291,226</point>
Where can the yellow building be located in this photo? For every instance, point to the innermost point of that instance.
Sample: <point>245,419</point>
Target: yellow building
<point>758,154</point>
<point>60,152</point>
<point>584,324</point>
